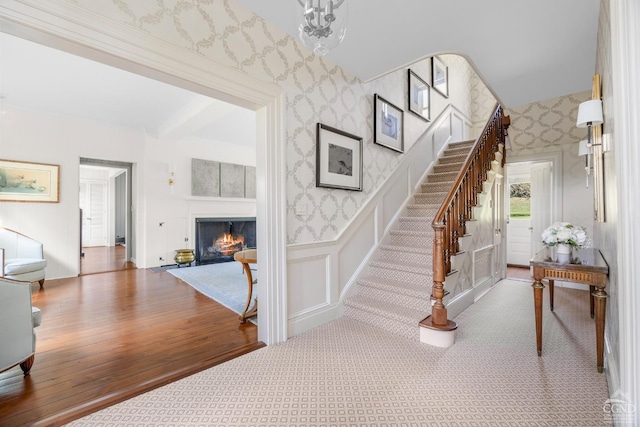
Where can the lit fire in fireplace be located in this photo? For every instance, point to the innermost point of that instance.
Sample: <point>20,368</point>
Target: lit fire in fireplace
<point>228,244</point>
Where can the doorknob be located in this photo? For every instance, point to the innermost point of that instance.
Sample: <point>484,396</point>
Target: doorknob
<point>530,228</point>
<point>88,219</point>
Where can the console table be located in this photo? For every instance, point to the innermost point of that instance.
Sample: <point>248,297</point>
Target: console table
<point>587,266</point>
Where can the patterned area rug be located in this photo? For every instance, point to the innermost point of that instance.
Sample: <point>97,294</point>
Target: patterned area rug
<point>347,373</point>
<point>224,283</point>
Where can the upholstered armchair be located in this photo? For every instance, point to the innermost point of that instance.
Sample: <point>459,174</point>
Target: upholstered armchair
<point>18,319</point>
<point>22,257</point>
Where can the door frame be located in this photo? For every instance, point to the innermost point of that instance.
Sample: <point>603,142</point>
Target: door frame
<point>556,178</point>
<point>555,158</point>
<point>70,28</point>
<point>129,228</point>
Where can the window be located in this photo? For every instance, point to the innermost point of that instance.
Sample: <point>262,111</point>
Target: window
<point>520,200</point>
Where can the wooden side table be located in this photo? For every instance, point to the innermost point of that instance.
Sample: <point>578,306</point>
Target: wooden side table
<point>246,257</point>
<point>587,266</point>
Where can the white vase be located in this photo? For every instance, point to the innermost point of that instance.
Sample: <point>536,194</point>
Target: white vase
<point>563,253</point>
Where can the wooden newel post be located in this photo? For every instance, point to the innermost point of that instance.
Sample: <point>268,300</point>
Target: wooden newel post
<point>438,310</point>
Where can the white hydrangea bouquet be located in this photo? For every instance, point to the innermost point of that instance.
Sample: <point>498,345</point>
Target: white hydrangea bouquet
<point>564,233</point>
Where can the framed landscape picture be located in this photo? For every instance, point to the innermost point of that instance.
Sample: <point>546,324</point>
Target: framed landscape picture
<point>338,159</point>
<point>419,96</point>
<point>388,124</point>
<point>29,182</point>
<point>440,76</point>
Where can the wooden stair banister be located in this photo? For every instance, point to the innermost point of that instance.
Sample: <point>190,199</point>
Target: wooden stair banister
<point>449,224</point>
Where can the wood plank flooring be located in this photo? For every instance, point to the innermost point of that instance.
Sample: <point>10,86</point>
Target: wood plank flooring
<point>101,259</point>
<point>107,337</point>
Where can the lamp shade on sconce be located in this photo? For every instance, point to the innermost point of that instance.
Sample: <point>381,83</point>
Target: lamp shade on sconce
<point>590,113</point>
<point>583,148</point>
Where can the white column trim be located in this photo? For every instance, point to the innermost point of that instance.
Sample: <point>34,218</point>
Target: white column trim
<point>625,69</point>
<point>62,25</point>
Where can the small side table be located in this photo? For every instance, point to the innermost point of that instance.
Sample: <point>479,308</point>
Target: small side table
<point>246,257</point>
<point>587,266</point>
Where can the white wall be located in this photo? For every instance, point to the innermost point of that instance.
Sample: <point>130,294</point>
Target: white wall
<point>35,137</point>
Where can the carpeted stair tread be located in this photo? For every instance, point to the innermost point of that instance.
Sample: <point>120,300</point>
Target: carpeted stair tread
<point>443,177</point>
<point>456,151</point>
<point>425,234</point>
<point>400,328</point>
<point>413,289</point>
<point>428,187</point>
<point>422,210</point>
<point>458,158</point>
<point>402,266</point>
<point>428,200</point>
<point>416,223</point>
<point>409,249</point>
<point>400,313</point>
<point>448,167</point>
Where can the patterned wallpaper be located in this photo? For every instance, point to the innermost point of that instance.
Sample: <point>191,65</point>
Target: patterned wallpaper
<point>550,126</point>
<point>316,91</point>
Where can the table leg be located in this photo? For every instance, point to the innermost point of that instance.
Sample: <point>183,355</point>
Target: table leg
<point>551,294</point>
<point>537,300</point>
<point>248,313</point>
<point>592,289</point>
<point>601,309</point>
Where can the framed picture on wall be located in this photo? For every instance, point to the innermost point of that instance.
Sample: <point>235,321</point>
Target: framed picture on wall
<point>29,182</point>
<point>388,124</point>
<point>419,95</point>
<point>338,159</point>
<point>440,76</point>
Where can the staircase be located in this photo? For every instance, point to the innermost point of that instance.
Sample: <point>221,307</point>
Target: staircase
<point>395,291</point>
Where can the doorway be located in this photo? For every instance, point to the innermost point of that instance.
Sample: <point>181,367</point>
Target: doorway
<point>533,193</point>
<point>90,38</point>
<point>106,236</point>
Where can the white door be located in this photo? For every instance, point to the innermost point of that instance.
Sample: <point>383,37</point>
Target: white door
<point>541,203</point>
<point>519,242</point>
<point>93,202</point>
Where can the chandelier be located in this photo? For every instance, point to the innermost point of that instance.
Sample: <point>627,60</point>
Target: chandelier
<point>320,27</point>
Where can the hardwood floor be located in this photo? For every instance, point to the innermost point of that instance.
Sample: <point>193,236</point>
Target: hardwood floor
<point>101,259</point>
<point>519,273</point>
<point>107,337</point>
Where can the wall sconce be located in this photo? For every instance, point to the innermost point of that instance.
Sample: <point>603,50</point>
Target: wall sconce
<point>172,172</point>
<point>589,114</point>
<point>585,150</point>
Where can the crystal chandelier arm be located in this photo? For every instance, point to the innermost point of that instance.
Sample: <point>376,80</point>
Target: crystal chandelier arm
<point>336,4</point>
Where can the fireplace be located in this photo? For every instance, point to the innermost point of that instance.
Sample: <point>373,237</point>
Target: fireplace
<point>217,239</point>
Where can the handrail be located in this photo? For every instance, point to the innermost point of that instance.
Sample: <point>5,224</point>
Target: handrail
<point>449,224</point>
